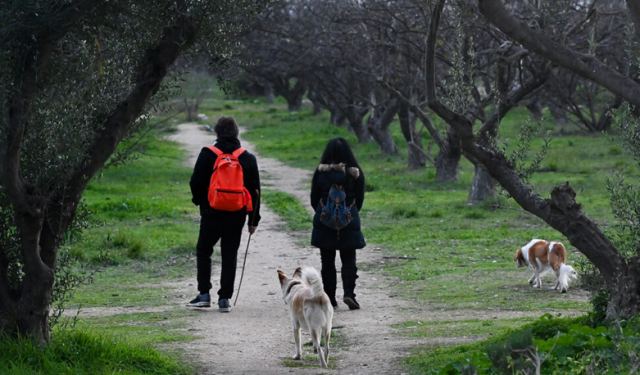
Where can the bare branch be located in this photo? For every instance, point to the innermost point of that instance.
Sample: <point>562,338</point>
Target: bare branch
<point>439,108</point>
<point>586,66</point>
<point>489,129</point>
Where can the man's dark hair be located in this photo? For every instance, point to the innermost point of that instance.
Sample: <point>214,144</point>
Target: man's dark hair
<point>226,127</point>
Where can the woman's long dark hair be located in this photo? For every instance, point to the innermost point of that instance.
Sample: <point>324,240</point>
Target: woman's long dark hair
<point>338,151</point>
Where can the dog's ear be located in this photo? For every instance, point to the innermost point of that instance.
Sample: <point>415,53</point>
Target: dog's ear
<point>282,276</point>
<point>297,272</point>
<point>519,258</point>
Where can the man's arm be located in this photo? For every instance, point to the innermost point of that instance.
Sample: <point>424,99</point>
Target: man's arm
<point>252,183</point>
<point>201,176</point>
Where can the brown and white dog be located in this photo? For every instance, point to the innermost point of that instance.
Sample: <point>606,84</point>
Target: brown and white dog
<point>310,309</point>
<point>542,256</point>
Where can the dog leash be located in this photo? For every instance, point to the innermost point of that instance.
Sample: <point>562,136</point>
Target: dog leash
<point>244,262</point>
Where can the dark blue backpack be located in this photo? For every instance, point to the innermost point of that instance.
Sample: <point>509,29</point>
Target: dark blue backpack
<point>334,213</point>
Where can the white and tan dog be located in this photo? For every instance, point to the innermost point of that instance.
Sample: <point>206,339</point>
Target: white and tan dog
<point>543,256</point>
<point>310,309</point>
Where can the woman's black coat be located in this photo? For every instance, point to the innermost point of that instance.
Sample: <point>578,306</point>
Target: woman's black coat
<point>350,237</point>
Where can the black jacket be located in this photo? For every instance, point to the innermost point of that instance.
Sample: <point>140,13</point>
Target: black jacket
<point>204,169</point>
<point>352,180</point>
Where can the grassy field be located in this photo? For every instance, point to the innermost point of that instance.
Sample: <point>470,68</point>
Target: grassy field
<point>458,257</point>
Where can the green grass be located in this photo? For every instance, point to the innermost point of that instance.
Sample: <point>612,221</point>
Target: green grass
<point>289,208</point>
<point>145,328</point>
<point>84,352</point>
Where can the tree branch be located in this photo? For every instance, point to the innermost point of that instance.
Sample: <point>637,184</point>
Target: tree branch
<point>586,66</point>
<point>512,99</point>
<point>634,9</point>
<point>150,73</point>
<point>424,118</point>
<point>440,109</point>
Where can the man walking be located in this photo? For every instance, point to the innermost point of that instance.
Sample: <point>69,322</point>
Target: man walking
<point>226,185</point>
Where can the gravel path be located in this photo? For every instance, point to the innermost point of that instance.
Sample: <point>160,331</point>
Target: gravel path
<point>256,336</point>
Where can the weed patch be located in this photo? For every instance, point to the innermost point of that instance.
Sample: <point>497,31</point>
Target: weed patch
<point>83,352</point>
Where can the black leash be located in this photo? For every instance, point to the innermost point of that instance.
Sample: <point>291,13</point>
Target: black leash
<point>242,274</point>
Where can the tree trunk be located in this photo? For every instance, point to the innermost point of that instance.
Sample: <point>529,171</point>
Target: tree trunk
<point>416,157</point>
<point>355,116</point>
<point>32,307</point>
<point>378,125</point>
<point>294,102</point>
<point>448,159</point>
<point>535,108</point>
<point>315,101</point>
<point>383,138</point>
<point>559,115</point>
<point>294,95</point>
<point>482,187</point>
<point>361,131</point>
<point>268,93</point>
<point>317,108</point>
<point>337,117</point>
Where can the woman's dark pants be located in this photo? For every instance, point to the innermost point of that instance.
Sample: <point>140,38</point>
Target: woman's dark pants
<point>349,271</point>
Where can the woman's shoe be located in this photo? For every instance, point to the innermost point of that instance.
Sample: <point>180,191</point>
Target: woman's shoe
<point>351,302</point>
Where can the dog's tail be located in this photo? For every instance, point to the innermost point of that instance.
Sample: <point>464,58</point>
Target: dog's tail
<point>311,276</point>
<point>566,274</point>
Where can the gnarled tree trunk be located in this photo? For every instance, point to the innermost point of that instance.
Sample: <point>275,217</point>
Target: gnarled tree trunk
<point>448,158</point>
<point>482,186</point>
<point>378,125</point>
<point>337,117</point>
<point>417,157</point>
<point>355,116</point>
<point>292,94</point>
<point>269,94</point>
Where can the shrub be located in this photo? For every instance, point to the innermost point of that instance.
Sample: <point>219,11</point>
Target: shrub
<point>559,346</point>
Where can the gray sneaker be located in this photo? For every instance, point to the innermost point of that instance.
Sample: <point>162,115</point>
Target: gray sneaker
<point>224,305</point>
<point>201,300</point>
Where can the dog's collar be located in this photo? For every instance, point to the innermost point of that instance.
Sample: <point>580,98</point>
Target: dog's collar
<point>291,285</point>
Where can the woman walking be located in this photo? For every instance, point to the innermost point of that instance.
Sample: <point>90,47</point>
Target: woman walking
<point>337,194</point>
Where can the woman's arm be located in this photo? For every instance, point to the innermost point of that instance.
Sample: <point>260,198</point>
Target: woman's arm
<point>360,191</point>
<point>315,191</point>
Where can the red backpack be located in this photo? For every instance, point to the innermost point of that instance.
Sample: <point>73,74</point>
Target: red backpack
<point>226,188</point>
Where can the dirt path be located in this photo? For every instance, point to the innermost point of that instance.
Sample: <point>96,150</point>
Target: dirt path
<point>256,336</point>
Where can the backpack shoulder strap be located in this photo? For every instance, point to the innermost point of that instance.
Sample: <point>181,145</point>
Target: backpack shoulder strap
<point>238,152</point>
<point>215,150</point>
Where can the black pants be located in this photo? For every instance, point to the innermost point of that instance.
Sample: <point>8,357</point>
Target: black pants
<point>349,271</point>
<point>226,227</point>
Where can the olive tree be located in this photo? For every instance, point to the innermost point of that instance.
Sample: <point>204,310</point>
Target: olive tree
<point>75,77</point>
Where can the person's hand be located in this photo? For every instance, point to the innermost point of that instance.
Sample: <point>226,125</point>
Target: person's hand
<point>252,229</point>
